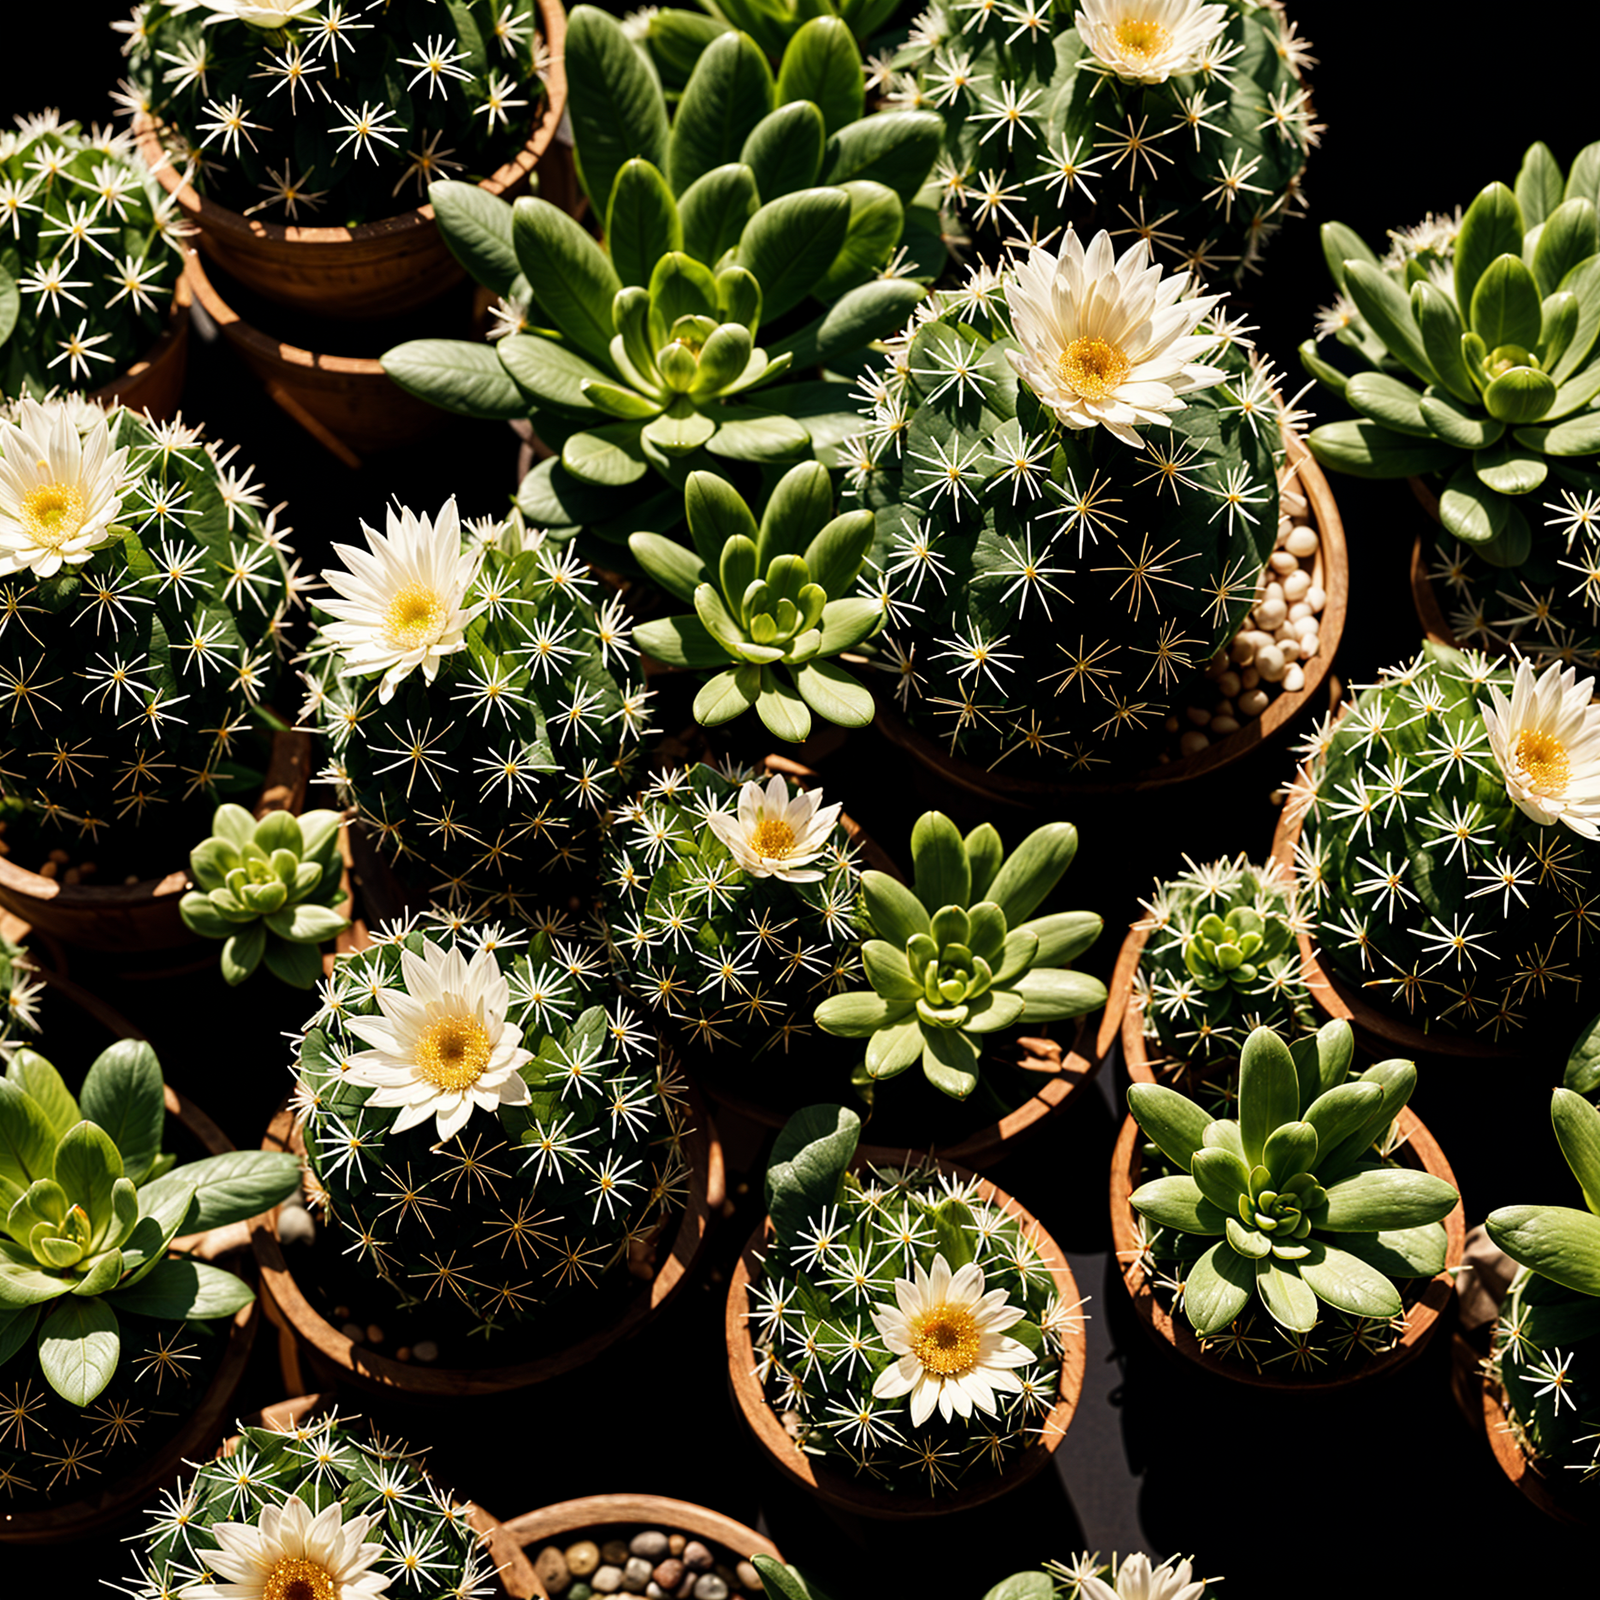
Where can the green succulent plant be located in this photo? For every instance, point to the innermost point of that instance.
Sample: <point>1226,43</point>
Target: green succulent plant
<point>91,1207</point>
<point>657,351</point>
<point>1478,347</point>
<point>770,602</point>
<point>676,38</point>
<point>959,954</point>
<point>269,889</point>
<point>1301,1214</point>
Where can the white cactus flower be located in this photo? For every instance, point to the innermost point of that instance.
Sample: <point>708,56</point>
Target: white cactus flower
<point>1149,41</point>
<point>1546,738</point>
<point>776,836</point>
<point>287,1551</point>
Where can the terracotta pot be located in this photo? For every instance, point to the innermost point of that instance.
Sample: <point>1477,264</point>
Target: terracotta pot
<point>1122,1018</point>
<point>155,384</point>
<point>1379,1031</point>
<point>135,917</point>
<point>514,1575</point>
<point>119,1500</point>
<point>1423,595</point>
<point>599,1516</point>
<point>851,1494</point>
<point>1175,1335</point>
<point>377,269</point>
<point>337,1358</point>
<point>1332,574</point>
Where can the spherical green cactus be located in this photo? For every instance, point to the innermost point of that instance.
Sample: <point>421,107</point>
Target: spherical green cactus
<point>1190,126</point>
<point>500,726</point>
<point>493,1136</point>
<point>142,607</point>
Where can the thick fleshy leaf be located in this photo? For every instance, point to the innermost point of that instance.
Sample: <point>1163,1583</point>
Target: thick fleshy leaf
<point>993,1010</point>
<point>783,713</point>
<point>745,433</point>
<point>154,1231</point>
<point>1505,304</point>
<point>1577,1125</point>
<point>552,374</point>
<point>614,101</point>
<point>898,151</point>
<point>1221,1177</point>
<point>232,1187</point>
<point>1583,283</point>
<point>1469,509</point>
<point>1520,396</point>
<point>1466,426</point>
<point>1052,994</point>
<point>16,1329</point>
<point>680,572</point>
<point>1342,1110</point>
<point>823,65</point>
<point>1382,1198</point>
<point>1347,1283</point>
<point>834,695</point>
<point>242,952</point>
<point>1387,400</point>
<point>1366,449</point>
<point>40,1081</point>
<point>1558,1242</point>
<point>1387,310</point>
<point>1571,234</point>
<point>1269,1091</point>
<point>1399,1252</point>
<point>642,224</point>
<point>728,695</point>
<point>877,221</point>
<point>1341,243</point>
<point>784,150</point>
<point>942,876</point>
<point>1033,869</point>
<point>890,1051</point>
<point>680,642</point>
<point>950,1061</point>
<point>871,311</point>
<point>1291,1149</point>
<point>610,455</point>
<point>1177,1202</point>
<point>177,1288</point>
<point>27,1140</point>
<point>808,1160</point>
<point>1439,323</point>
<point>893,911</point>
<point>1492,227</point>
<point>714,209</point>
<point>454,375</point>
<point>1064,936</point>
<point>87,1166</point>
<point>728,93</point>
<point>859,1013</point>
<point>1576,436</point>
<point>123,1093</point>
<point>79,1343</point>
<point>791,242</point>
<point>1217,1288</point>
<point>1289,1300</point>
<point>576,281</point>
<point>1171,1121</point>
<point>306,925</point>
<point>1582,1073</point>
<point>476,228</point>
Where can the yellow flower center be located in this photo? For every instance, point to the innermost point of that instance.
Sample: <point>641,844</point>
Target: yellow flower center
<point>1139,39</point>
<point>452,1053</point>
<point>773,838</point>
<point>945,1339</point>
<point>53,512</point>
<point>416,615</point>
<point>1543,758</point>
<point>1092,367</point>
<point>295,1578</point>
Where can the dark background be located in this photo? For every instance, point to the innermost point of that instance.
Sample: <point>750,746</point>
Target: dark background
<point>1379,1492</point>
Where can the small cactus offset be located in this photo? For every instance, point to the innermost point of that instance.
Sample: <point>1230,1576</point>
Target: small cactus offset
<point>730,907</point>
<point>1448,844</point>
<point>300,112</point>
<point>1062,545</point>
<point>89,256</point>
<point>495,761</point>
<point>143,597</point>
<point>908,1332</point>
<point>1189,123</point>
<point>493,1137</point>
<point>1220,960</point>
<point>320,1505</point>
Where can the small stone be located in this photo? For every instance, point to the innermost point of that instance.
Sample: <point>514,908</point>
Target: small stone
<point>1259,636</point>
<point>670,1573</point>
<point>1223,708</point>
<point>1249,678</point>
<point>676,1542</point>
<point>580,1591</point>
<point>1270,663</point>
<point>1170,723</point>
<point>1292,503</point>
<point>607,1579</point>
<point>1274,591</point>
<point>1294,680</point>
<point>726,1574</point>
<point>1282,561</point>
<point>403,1353</point>
<point>651,1544</point>
<point>710,1587</point>
<point>1316,597</point>
<point>294,1224</point>
<point>1301,542</point>
<point>1241,652</point>
<point>614,1552</point>
<point>1224,725</point>
<point>696,1557</point>
<point>1298,611</point>
<point>1216,666</point>
<point>353,1331</point>
<point>686,1588</point>
<point>1198,715</point>
<point>550,1567</point>
<point>1290,648</point>
<point>1296,585</point>
<point>636,1574</point>
<point>1193,742</point>
<point>1253,702</point>
<point>1228,684</point>
<point>1309,645</point>
<point>748,1577</point>
<point>1271,612</point>
<point>1304,626</point>
<point>425,1350</point>
<point>374,1333</point>
<point>654,1591</point>
<point>583,1557</point>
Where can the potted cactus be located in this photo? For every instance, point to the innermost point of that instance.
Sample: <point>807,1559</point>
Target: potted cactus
<point>903,1339</point>
<point>1191,120</point>
<point>475,704</point>
<point>1214,957</point>
<point>150,581</point>
<point>119,1352</point>
<point>1282,1235</point>
<point>541,1137</point>
<point>1087,1577</point>
<point>750,236</point>
<point>90,280</point>
<point>1075,469</point>
<point>1439,833</point>
<point>1472,340</point>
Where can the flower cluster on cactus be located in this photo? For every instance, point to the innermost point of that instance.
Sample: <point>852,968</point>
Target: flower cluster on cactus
<point>729,906</point>
<point>1087,1577</point>
<point>93,1308</point>
<point>486,1139</point>
<point>1282,1207</point>
<point>332,1508</point>
<point>267,889</point>
<point>1475,338</point>
<point>499,726</point>
<point>761,208</point>
<point>905,1327</point>
<point>1073,510</point>
<point>1191,123</point>
<point>959,955</point>
<point>771,602</point>
<point>89,256</point>
<point>1219,960</point>
<point>335,113</point>
<point>141,616</point>
<point>1447,847</point>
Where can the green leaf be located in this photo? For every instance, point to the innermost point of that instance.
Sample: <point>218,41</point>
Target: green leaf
<point>1439,323</point>
<point>877,220</point>
<point>746,434</point>
<point>87,1166</point>
<point>680,572</point>
<point>610,455</point>
<point>176,1289</point>
<point>614,101</point>
<point>1524,394</point>
<point>242,952</point>
<point>1064,936</point>
<point>783,713</point>
<point>1020,1586</point>
<point>714,209</point>
<point>306,924</point>
<point>1583,283</point>
<point>1269,1091</point>
<point>1396,405</point>
<point>836,554</point>
<point>1505,304</point>
<point>575,279</point>
<point>1366,449</point>
<point>898,151</point>
<point>1291,1149</point>
<point>784,150</point>
<point>642,224</point>
<point>1387,310</point>
<point>681,642</point>
<point>993,1010</point>
<point>552,374</point>
<point>1177,1203</point>
<point>1386,1197</point>
<point>1220,1176</point>
<point>1399,1252</point>
<point>1582,1075</point>
<point>213,859</point>
<point>890,1051</point>
<point>1569,237</point>
<point>887,970</point>
<point>1577,1126</point>
<point>1021,945</point>
<point>298,965</point>
<point>123,1093</point>
<point>1492,227</point>
<point>16,1329</point>
<point>1347,1283</point>
<point>1288,1298</point>
<point>1464,426</point>
<point>26,1286</point>
<point>229,1188</point>
<point>728,695</point>
<point>1341,244</point>
<point>1557,1242</point>
<point>893,911</point>
<point>10,304</point>
<point>99,1273</point>
<point>1577,436</point>
<point>1342,1111</point>
<point>1033,869</point>
<point>790,243</point>
<point>27,1140</point>
<point>950,1061</point>
<point>1172,1121</point>
<point>163,1216</point>
<point>1217,1289</point>
<point>823,65</point>
<point>808,1162</point>
<point>942,876</point>
<point>834,695</point>
<point>859,1013</point>
<point>40,1081</point>
<point>1469,509</point>
<point>467,379</point>
<point>1539,184</point>
<point>78,1347</point>
<point>1052,994</point>
<point>1509,468</point>
<point>476,227</point>
<point>728,93</point>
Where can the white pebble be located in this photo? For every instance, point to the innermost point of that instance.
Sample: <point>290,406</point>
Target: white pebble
<point>1290,648</point>
<point>1301,542</point>
<point>1294,680</point>
<point>1249,678</point>
<point>1316,597</point>
<point>1309,645</point>
<point>1292,503</point>
<point>1298,610</point>
<point>1281,561</point>
<point>1296,585</point>
<point>1224,725</point>
<point>1193,742</point>
<point>1216,666</point>
<point>1270,662</point>
<point>1223,708</point>
<point>1271,612</point>
<point>1304,625</point>
<point>1198,715</point>
<point>1253,702</point>
<point>1274,590</point>
<point>1241,651</point>
<point>1228,684</point>
<point>1285,528</point>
